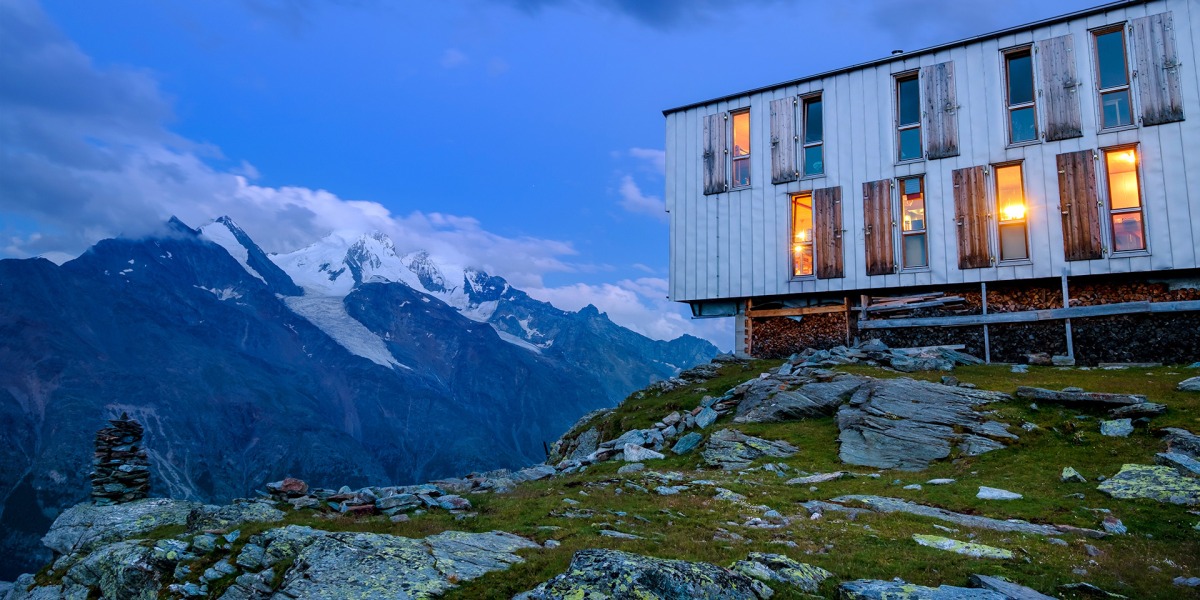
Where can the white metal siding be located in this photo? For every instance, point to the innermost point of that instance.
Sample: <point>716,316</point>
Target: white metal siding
<point>735,244</point>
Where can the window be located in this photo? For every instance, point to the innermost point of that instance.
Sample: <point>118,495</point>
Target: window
<point>1112,77</point>
<point>908,117</point>
<point>912,222</point>
<point>741,149</point>
<point>1010,208</point>
<point>1125,199</point>
<point>802,235</point>
<point>1022,112</point>
<point>814,137</point>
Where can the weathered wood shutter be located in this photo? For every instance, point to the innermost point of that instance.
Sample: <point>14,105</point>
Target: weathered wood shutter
<point>1077,201</point>
<point>1059,93</point>
<point>827,223</point>
<point>1157,69</point>
<point>970,216</point>
<point>715,177</point>
<point>783,140</point>
<point>940,110</point>
<point>877,233</point>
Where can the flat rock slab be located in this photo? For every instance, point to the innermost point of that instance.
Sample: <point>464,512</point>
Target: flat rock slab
<point>1183,463</point>
<point>1116,428</point>
<point>991,493</point>
<point>1137,411</point>
<point>1078,398</point>
<point>597,574</point>
<point>731,449</point>
<point>964,548</point>
<point>687,443</point>
<point>1191,384</point>
<point>889,505</point>
<point>1012,591</point>
<point>765,402</point>
<point>1155,482</point>
<point>1182,440</point>
<point>84,527</point>
<point>906,424</point>
<point>818,478</point>
<point>772,568</point>
<point>868,589</point>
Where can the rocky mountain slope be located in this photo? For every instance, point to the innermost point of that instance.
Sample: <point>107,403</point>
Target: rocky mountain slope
<point>735,480</point>
<point>241,373</point>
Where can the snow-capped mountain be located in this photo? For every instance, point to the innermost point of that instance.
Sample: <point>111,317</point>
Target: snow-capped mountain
<point>344,362</point>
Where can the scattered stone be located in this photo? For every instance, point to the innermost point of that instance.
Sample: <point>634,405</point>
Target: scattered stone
<point>1079,398</point>
<point>687,443</point>
<point>1136,411</point>
<point>906,424</point>
<point>1155,482</point>
<point>990,493</point>
<point>1114,525</point>
<point>1191,384</point>
<point>965,548</point>
<point>912,486</point>
<point>669,490</point>
<point>1019,369</point>
<point>1186,581</point>
<point>868,589</point>
<point>818,478</point>
<point>1117,428</point>
<point>121,471</point>
<point>232,515</point>
<point>1183,463</point>
<point>779,568</point>
<point>1091,550</point>
<point>889,505</point>
<point>619,535</point>
<point>631,468</point>
<point>729,496</point>
<point>1010,590</point>
<point>1070,475</point>
<point>635,454</point>
<point>1183,441</point>
<point>288,486</point>
<point>940,481</point>
<point>730,449</point>
<point>1090,590</point>
<point>706,417</point>
<point>598,573</point>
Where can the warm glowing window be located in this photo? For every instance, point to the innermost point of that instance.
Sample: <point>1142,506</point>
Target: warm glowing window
<point>1010,208</point>
<point>912,222</point>
<point>1112,77</point>
<point>741,149</point>
<point>1022,111</point>
<point>802,235</point>
<point>908,117</point>
<point>814,137</point>
<point>1125,199</point>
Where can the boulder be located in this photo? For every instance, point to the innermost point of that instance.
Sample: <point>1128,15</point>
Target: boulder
<point>1079,398</point>
<point>687,443</point>
<point>634,453</point>
<point>85,527</point>
<point>1011,590</point>
<point>598,573</point>
<point>1116,428</point>
<point>1155,482</point>
<point>706,417</point>
<point>1183,463</point>
<point>868,589</point>
<point>288,486</point>
<point>1137,411</point>
<point>771,568</point>
<point>730,449</point>
<point>232,515</point>
<point>768,404</point>
<point>126,570</point>
<point>991,493</point>
<point>1191,384</point>
<point>906,424</point>
<point>1182,441</point>
<point>818,478</point>
<point>964,548</point>
<point>1070,475</point>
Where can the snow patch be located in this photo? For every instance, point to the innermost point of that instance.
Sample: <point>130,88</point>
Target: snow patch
<point>222,294</point>
<point>516,341</point>
<point>329,314</point>
<point>220,235</point>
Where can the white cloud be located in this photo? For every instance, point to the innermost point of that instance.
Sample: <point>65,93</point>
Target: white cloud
<point>657,159</point>
<point>634,201</point>
<point>453,58</point>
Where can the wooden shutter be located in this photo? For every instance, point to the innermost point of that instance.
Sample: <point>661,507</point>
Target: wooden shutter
<point>714,154</point>
<point>1077,200</point>
<point>877,234</point>
<point>783,140</point>
<point>940,110</point>
<point>1060,93</point>
<point>970,216</point>
<point>1157,69</point>
<point>827,223</point>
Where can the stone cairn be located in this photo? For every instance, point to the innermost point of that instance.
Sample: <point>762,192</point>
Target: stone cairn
<point>122,473</point>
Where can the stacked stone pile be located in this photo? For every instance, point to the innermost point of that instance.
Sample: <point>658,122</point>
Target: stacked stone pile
<point>121,472</point>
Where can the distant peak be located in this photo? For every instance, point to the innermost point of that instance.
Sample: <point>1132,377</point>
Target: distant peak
<point>177,226</point>
<point>589,311</point>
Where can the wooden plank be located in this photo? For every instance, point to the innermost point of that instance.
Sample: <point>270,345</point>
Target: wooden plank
<point>939,111</point>
<point>1157,63</point>
<point>877,233</point>
<point>1060,87</point>
<point>970,217</point>
<point>798,311</point>
<point>827,221</point>
<point>1054,314</point>
<point>783,140</point>
<point>1078,204</point>
<point>715,149</point>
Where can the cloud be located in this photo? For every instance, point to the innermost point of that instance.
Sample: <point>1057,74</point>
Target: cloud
<point>452,58</point>
<point>634,201</point>
<point>654,158</point>
<point>660,14</point>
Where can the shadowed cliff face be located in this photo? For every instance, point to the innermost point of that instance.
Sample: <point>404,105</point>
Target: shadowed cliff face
<point>235,388</point>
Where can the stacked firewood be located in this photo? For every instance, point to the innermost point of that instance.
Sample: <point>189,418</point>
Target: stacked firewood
<point>1026,296</point>
<point>1091,294</point>
<point>122,473</point>
<point>780,337</point>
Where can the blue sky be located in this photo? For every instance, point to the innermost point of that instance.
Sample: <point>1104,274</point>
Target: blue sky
<point>520,136</point>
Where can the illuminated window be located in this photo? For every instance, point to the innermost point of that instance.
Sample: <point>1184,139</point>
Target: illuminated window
<point>1125,199</point>
<point>1010,208</point>
<point>912,222</point>
<point>1022,111</point>
<point>814,137</point>
<point>741,149</point>
<point>908,117</point>
<point>802,235</point>
<point>1112,77</point>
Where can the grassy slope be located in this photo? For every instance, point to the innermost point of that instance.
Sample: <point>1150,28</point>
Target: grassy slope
<point>1161,546</point>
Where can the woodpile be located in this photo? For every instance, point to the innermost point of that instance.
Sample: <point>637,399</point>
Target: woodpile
<point>1169,339</point>
<point>122,473</point>
<point>780,337</point>
<point>1028,296</point>
<point>1091,294</point>
<point>903,306</point>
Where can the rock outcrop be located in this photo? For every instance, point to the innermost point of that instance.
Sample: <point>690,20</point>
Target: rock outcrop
<point>614,574</point>
<point>730,449</point>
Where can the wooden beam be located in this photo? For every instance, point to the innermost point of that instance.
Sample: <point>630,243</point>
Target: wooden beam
<point>1030,316</point>
<point>796,312</point>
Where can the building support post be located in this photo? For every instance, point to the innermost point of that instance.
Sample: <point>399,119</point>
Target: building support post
<point>1067,322</point>
<point>987,345</point>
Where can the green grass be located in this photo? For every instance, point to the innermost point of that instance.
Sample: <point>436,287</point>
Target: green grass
<point>1162,543</point>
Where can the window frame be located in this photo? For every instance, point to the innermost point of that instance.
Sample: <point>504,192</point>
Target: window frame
<point>1009,107</point>
<point>1110,227</point>
<point>994,170</point>
<point>792,200</point>
<point>898,184</point>
<point>734,159</point>
<point>805,100</point>
<point>918,125</point>
<point>1127,87</point>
